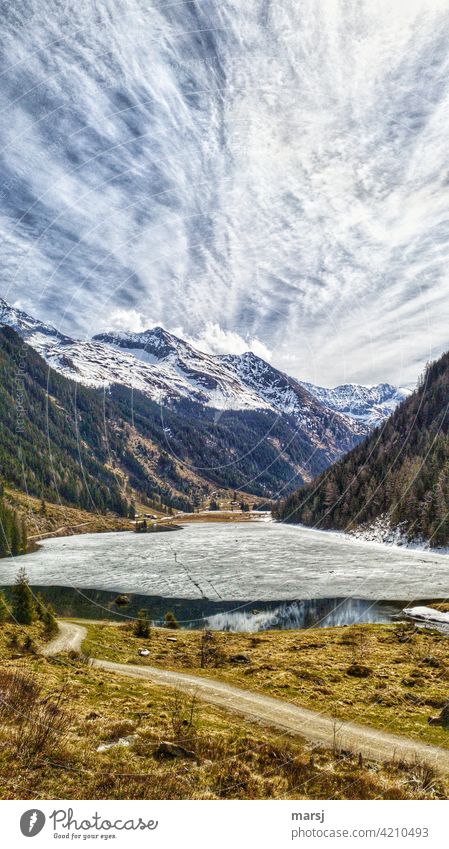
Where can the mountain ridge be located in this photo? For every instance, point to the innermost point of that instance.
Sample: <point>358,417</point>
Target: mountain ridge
<point>179,370</point>
<point>397,478</point>
<point>211,411</point>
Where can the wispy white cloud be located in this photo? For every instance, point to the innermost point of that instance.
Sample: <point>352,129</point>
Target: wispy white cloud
<point>266,175</point>
<point>124,319</point>
<point>214,340</point>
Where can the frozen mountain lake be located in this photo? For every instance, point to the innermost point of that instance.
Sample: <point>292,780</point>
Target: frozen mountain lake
<point>255,560</point>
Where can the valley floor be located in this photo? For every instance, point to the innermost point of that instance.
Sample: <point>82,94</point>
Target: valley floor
<point>311,725</point>
<point>114,733</point>
<point>59,520</point>
<point>389,677</point>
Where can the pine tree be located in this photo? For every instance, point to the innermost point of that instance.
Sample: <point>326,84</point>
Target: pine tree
<point>23,604</point>
<point>43,507</point>
<point>40,607</point>
<point>24,536</point>
<point>16,536</point>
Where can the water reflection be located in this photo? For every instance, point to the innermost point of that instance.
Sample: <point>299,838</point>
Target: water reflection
<point>309,613</point>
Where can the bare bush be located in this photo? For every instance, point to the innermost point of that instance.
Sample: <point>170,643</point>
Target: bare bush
<point>19,692</point>
<point>44,729</point>
<point>210,652</point>
<point>184,719</point>
<point>37,722</point>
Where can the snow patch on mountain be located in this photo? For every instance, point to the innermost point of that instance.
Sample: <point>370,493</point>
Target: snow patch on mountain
<point>368,404</point>
<point>168,369</point>
<point>382,531</point>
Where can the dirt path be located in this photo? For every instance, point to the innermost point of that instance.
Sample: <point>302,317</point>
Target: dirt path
<point>61,528</point>
<point>316,727</point>
<point>319,728</point>
<point>69,638</point>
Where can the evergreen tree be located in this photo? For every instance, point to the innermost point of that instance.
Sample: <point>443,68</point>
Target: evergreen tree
<point>40,607</point>
<point>23,604</point>
<point>50,624</point>
<point>16,536</point>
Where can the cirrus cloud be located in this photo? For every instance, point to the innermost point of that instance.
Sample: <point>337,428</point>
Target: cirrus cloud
<point>266,175</point>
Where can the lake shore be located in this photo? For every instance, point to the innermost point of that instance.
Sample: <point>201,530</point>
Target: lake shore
<point>232,561</point>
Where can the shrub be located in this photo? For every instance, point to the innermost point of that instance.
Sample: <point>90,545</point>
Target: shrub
<point>29,645</point>
<point>38,722</point>
<point>121,601</point>
<point>171,620</point>
<point>142,625</point>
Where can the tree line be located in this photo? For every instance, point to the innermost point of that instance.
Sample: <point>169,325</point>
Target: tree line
<point>24,608</point>
<point>400,471</point>
<point>13,532</point>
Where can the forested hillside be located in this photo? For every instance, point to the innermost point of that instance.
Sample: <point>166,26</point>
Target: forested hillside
<point>13,533</point>
<point>401,471</point>
<point>64,442</point>
<point>52,434</point>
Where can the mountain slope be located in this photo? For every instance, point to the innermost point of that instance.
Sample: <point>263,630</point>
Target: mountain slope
<point>368,404</point>
<point>52,433</point>
<point>233,421</point>
<point>171,373</point>
<point>400,472</point>
<point>100,450</point>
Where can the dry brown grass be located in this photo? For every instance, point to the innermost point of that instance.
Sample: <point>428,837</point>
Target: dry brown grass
<point>232,758</point>
<point>59,520</point>
<point>388,676</point>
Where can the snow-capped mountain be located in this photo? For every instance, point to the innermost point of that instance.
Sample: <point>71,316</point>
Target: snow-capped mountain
<point>168,369</point>
<point>162,378</point>
<point>368,404</point>
<point>197,376</point>
<point>241,382</point>
<point>247,375</point>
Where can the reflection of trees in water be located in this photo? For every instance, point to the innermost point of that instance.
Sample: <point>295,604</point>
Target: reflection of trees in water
<point>309,613</point>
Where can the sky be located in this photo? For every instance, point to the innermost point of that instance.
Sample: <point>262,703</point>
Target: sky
<point>249,174</point>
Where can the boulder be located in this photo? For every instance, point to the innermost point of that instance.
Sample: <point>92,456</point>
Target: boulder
<point>172,750</point>
<point>358,670</point>
<point>442,718</point>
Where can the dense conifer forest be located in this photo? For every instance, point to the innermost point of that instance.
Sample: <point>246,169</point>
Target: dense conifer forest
<point>13,533</point>
<point>52,434</point>
<point>401,471</point>
<point>100,450</point>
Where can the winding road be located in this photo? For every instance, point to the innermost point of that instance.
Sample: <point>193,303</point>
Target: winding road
<point>69,638</point>
<point>287,717</point>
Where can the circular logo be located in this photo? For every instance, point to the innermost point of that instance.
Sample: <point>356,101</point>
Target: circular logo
<point>32,822</point>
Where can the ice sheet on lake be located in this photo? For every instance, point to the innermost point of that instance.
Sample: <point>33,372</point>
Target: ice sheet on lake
<point>260,561</point>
